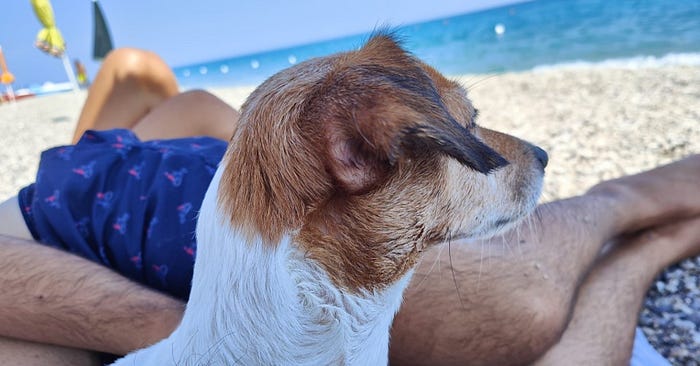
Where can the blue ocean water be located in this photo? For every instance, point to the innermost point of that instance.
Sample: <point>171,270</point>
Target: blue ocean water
<point>522,36</point>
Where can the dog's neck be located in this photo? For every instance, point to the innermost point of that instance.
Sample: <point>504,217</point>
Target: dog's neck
<point>254,303</point>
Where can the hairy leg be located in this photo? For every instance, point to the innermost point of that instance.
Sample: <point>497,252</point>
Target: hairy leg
<point>601,331</point>
<point>52,297</point>
<point>128,85</point>
<point>507,300</point>
<point>16,352</point>
<point>505,309</point>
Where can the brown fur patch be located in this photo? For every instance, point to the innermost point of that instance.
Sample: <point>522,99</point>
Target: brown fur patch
<point>369,241</point>
<point>350,152</point>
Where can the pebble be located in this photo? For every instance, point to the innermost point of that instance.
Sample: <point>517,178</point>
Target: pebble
<point>671,319</point>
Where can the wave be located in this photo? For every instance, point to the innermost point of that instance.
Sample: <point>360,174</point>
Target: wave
<point>636,62</point>
<point>47,88</point>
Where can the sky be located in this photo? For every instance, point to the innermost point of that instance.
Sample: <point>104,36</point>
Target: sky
<point>186,31</point>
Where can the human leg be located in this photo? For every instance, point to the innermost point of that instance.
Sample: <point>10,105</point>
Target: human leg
<point>16,352</point>
<point>508,299</point>
<point>129,84</point>
<point>507,308</point>
<point>135,89</point>
<point>601,331</point>
<point>192,113</point>
<point>52,297</point>
<point>503,301</point>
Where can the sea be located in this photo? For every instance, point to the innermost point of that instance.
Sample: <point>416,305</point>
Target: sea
<point>529,35</point>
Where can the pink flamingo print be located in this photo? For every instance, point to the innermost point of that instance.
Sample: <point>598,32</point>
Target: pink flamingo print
<point>52,200</point>
<point>136,260</point>
<point>85,171</point>
<point>161,271</point>
<point>135,171</point>
<point>104,199</point>
<point>183,210</point>
<point>120,225</point>
<point>191,249</point>
<point>176,177</point>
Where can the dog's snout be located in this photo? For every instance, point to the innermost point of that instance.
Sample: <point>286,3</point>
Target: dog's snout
<point>541,155</point>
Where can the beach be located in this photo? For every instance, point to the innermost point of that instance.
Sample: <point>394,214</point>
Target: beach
<point>595,122</point>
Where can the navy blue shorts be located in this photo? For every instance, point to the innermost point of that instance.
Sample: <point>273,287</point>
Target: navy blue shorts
<point>128,204</point>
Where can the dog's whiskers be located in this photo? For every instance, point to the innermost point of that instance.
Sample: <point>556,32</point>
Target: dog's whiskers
<point>490,255</point>
<point>436,261</point>
<point>452,268</point>
<point>504,242</point>
<point>471,86</point>
<point>481,266</point>
<point>519,239</point>
<point>530,228</point>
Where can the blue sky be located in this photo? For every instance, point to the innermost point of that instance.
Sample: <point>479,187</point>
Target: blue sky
<point>186,31</point>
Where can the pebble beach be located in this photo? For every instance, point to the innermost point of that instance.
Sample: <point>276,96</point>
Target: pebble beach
<point>596,123</point>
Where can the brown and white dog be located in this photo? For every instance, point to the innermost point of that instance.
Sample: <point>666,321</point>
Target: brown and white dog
<point>343,169</point>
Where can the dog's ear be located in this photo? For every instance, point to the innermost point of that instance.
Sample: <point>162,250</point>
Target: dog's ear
<point>376,113</point>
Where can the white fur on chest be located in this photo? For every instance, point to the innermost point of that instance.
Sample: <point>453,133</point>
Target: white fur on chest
<point>252,304</point>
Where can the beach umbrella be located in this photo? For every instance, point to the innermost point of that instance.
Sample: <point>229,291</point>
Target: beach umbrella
<point>50,39</point>
<point>6,77</point>
<point>102,40</point>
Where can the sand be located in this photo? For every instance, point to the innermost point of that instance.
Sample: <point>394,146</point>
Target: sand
<point>596,123</point>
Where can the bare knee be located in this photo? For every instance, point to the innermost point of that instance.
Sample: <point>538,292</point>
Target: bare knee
<point>527,318</point>
<point>205,99</point>
<point>192,113</point>
<point>513,322</point>
<point>527,326</point>
<point>201,97</point>
<point>545,316</point>
<point>217,118</point>
<point>144,67</point>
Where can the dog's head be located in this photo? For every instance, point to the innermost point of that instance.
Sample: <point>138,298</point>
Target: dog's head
<point>366,159</point>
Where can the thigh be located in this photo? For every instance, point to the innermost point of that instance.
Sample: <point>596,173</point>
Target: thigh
<point>130,83</point>
<point>16,352</point>
<point>11,220</point>
<point>193,113</point>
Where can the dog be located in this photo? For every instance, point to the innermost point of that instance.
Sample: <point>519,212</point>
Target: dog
<point>341,172</point>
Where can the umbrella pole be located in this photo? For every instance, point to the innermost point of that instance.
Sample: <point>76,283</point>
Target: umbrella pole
<point>10,93</point>
<point>70,72</point>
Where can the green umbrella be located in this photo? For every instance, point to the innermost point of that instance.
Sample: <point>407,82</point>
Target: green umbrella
<point>50,39</point>
<point>102,40</point>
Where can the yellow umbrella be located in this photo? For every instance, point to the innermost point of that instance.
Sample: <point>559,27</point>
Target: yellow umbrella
<point>6,77</point>
<point>50,39</point>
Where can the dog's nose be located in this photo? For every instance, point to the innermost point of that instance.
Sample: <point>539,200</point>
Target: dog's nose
<point>541,155</point>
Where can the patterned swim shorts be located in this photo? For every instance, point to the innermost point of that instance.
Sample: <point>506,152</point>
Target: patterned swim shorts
<point>128,204</point>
